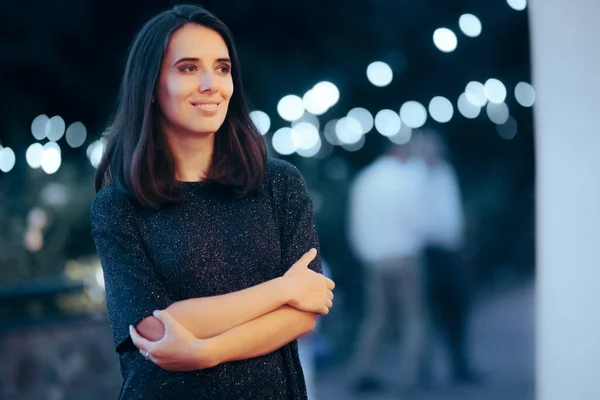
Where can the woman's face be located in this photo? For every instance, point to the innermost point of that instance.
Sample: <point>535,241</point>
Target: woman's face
<point>195,82</point>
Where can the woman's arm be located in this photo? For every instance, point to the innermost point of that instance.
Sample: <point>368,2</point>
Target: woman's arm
<point>180,350</point>
<point>210,316</point>
<point>261,336</point>
<point>206,317</point>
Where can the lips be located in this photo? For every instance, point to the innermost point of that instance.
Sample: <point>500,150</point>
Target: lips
<point>206,106</point>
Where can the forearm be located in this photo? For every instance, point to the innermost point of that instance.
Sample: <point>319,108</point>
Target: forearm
<point>206,317</point>
<point>262,335</point>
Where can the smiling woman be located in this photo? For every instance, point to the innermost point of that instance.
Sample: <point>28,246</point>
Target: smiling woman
<point>208,247</point>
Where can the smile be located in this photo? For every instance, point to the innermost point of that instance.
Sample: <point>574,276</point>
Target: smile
<point>206,106</point>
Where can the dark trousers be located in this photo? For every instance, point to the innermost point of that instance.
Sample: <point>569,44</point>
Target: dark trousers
<point>447,294</point>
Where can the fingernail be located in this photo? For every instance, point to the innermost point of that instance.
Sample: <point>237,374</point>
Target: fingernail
<point>156,313</point>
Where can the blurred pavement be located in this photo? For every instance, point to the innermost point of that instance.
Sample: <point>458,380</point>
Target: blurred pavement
<point>502,347</point>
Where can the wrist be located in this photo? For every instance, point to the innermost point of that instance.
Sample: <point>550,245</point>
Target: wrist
<point>207,353</point>
<point>284,289</point>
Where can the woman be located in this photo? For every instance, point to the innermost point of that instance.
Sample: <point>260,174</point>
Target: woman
<point>203,240</point>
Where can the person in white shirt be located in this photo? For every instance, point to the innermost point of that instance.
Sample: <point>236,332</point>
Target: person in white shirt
<point>386,233</point>
<point>446,275</point>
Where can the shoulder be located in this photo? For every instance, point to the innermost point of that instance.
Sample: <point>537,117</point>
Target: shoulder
<point>281,168</point>
<point>110,200</point>
<point>282,173</point>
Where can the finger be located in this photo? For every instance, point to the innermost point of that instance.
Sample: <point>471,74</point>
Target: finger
<point>328,303</point>
<point>324,311</point>
<point>166,318</point>
<point>307,257</point>
<point>330,284</point>
<point>330,295</point>
<point>139,341</point>
<point>148,356</point>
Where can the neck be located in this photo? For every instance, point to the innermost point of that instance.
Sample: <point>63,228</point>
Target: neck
<point>192,154</point>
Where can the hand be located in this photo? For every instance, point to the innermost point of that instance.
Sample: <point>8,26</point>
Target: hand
<point>178,350</point>
<point>310,290</point>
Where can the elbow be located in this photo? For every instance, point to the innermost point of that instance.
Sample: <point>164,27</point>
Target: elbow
<point>311,323</point>
<point>151,329</point>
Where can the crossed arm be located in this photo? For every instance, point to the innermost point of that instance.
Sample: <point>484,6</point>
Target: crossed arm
<point>236,326</point>
<point>204,332</point>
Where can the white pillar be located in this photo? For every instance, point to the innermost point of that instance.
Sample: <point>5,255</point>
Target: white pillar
<point>566,76</point>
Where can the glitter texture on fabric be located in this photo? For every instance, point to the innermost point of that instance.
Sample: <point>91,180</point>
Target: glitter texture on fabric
<point>207,245</point>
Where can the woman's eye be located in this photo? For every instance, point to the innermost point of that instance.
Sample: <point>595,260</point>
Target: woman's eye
<point>224,69</point>
<point>189,68</point>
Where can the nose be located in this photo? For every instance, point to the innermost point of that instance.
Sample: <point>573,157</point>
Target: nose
<point>207,82</point>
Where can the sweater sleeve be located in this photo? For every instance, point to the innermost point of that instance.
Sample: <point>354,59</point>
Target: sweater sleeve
<point>299,232</point>
<point>133,289</point>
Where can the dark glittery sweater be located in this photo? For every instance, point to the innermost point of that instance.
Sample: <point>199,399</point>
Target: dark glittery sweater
<point>208,244</point>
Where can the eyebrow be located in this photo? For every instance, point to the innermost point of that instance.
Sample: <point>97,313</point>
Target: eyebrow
<point>192,59</point>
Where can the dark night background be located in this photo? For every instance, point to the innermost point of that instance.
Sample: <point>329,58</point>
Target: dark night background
<point>66,57</point>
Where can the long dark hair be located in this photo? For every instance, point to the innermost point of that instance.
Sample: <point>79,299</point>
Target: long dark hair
<point>137,157</point>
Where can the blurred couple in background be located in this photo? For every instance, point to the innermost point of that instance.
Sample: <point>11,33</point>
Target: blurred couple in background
<point>406,227</point>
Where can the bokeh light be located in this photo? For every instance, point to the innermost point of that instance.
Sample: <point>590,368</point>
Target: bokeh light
<point>379,73</point>
<point>403,136</point>
<point>348,130</point>
<point>76,135</point>
<point>38,127</point>
<point>7,159</point>
<point>413,114</point>
<point>525,94</point>
<point>495,91</point>
<point>470,25</point>
<point>325,94</point>
<point>261,120</point>
<point>51,160</point>
<point>290,107</point>
<point>440,109</point>
<point>355,146</point>
<point>282,141</point>
<point>55,128</point>
<point>507,130</point>
<point>445,40</point>
<point>364,117</point>
<point>387,122</point>
<point>466,108</point>
<point>497,112</point>
<point>305,136</point>
<point>330,133</point>
<point>475,93</point>
<point>34,155</point>
<point>518,5</point>
<point>95,151</point>
<point>311,151</point>
<point>309,118</point>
